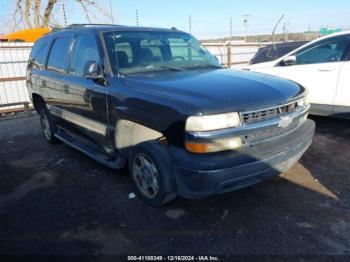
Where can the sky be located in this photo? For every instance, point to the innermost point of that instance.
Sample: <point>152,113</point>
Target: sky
<point>211,19</point>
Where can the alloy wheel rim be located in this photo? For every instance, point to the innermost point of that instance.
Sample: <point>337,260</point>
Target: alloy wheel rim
<point>45,126</point>
<point>145,175</point>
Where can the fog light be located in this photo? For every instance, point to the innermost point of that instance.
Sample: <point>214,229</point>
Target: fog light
<point>215,146</point>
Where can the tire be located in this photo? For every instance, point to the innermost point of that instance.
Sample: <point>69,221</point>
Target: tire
<point>151,171</point>
<point>47,126</point>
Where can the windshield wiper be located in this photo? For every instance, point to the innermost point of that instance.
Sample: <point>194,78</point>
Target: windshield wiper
<point>155,69</point>
<point>171,68</point>
<point>204,66</point>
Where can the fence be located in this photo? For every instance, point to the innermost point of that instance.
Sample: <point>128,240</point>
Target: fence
<point>14,57</point>
<point>233,54</point>
<point>13,61</point>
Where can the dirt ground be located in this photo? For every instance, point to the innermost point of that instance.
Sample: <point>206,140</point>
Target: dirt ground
<point>54,200</point>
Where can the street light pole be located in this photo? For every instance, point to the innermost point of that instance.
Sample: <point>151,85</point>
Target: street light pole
<point>230,29</point>
<point>111,14</point>
<point>245,23</point>
<point>137,17</point>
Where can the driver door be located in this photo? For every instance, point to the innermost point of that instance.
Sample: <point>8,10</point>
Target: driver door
<point>85,107</point>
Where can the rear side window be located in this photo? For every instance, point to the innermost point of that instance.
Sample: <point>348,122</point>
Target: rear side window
<point>38,53</point>
<point>261,56</point>
<point>85,50</point>
<point>58,56</point>
<point>281,51</point>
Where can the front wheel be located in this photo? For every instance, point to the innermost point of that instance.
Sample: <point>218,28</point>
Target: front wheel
<point>152,174</point>
<point>47,126</point>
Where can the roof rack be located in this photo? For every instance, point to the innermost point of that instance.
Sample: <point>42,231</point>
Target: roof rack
<point>73,26</point>
<point>77,26</point>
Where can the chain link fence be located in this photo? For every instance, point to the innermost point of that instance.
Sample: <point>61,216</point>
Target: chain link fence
<point>13,91</point>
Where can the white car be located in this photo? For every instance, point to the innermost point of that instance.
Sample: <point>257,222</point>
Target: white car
<point>323,67</point>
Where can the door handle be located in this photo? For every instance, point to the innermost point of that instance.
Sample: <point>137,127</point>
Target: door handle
<point>66,89</point>
<point>326,69</point>
<point>43,83</point>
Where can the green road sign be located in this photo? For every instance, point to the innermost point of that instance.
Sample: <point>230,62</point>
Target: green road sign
<point>327,31</point>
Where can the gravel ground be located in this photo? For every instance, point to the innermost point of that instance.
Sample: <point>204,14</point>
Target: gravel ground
<point>54,200</point>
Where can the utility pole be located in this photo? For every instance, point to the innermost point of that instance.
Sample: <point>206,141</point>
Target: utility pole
<point>64,15</point>
<point>190,24</point>
<point>137,17</point>
<point>110,6</point>
<point>230,29</point>
<point>285,31</point>
<point>309,32</point>
<point>245,23</point>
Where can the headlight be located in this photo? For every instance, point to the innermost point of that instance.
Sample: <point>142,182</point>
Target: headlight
<point>212,122</point>
<point>304,102</point>
<point>230,143</point>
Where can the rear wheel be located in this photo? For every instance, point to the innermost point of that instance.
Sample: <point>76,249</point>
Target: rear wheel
<point>152,174</point>
<point>47,126</point>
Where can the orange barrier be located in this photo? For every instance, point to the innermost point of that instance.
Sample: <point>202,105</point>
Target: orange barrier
<point>29,35</point>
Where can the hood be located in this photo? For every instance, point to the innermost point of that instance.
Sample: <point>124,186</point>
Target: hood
<point>218,91</point>
<point>269,64</point>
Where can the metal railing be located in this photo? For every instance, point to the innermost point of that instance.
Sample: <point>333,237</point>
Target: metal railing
<point>14,56</point>
<point>233,54</point>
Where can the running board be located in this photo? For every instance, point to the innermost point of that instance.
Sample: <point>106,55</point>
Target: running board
<point>98,156</point>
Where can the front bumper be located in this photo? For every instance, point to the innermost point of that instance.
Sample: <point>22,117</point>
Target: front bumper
<point>203,175</point>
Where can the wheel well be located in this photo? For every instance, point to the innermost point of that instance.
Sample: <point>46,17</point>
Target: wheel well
<point>38,102</point>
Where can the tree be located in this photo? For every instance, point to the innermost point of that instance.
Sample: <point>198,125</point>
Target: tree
<point>39,13</point>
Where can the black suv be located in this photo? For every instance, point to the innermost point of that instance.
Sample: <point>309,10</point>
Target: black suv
<point>158,101</point>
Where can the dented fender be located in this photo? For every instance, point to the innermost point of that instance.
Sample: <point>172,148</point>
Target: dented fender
<point>129,133</point>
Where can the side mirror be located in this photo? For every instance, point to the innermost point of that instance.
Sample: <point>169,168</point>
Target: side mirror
<point>289,60</point>
<point>93,71</point>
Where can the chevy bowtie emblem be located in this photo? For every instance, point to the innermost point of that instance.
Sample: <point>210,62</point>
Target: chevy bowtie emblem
<point>285,121</point>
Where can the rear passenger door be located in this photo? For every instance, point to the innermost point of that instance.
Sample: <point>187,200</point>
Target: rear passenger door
<point>52,79</point>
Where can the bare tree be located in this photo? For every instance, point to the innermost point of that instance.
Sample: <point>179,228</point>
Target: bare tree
<point>38,13</point>
<point>47,13</point>
<point>27,13</point>
<point>37,4</point>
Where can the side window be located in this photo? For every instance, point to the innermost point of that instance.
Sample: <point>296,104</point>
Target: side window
<point>326,51</point>
<point>285,50</point>
<point>85,50</point>
<point>272,52</point>
<point>38,53</point>
<point>261,56</point>
<point>58,56</point>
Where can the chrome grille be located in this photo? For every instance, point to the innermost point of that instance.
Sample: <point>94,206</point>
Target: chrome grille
<point>272,132</point>
<point>266,114</point>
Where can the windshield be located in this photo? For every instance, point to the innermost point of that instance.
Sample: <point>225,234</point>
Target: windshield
<point>141,52</point>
